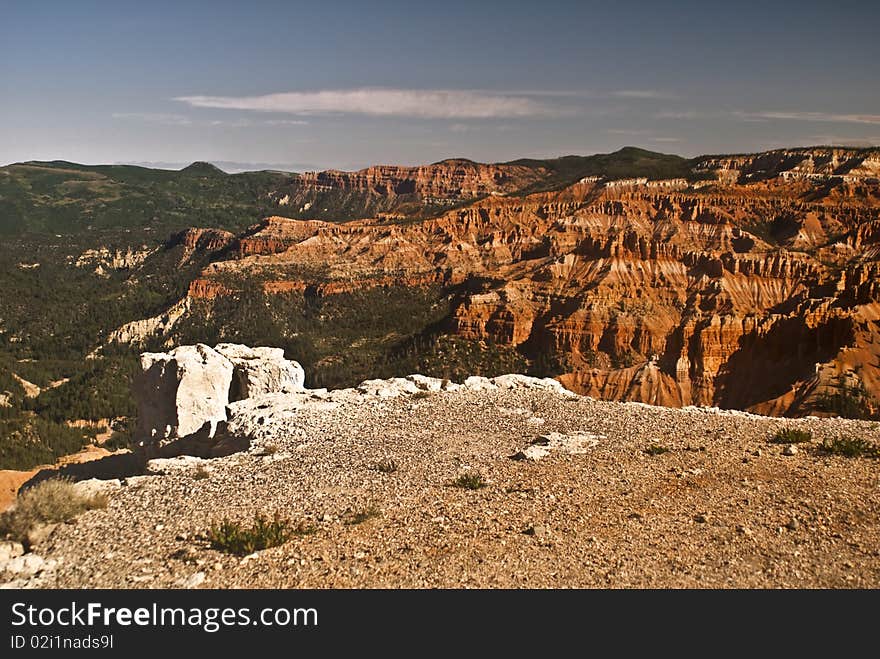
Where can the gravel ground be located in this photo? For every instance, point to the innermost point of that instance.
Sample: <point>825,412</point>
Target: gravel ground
<point>721,508</point>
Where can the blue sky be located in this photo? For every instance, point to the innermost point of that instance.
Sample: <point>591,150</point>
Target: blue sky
<point>348,84</point>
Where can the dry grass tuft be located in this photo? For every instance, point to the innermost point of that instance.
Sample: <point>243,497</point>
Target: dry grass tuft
<point>52,501</point>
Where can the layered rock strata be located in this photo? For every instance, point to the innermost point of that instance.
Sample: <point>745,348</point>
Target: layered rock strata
<point>745,291</point>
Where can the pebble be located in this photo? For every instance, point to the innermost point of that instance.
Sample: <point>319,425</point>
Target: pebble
<point>537,530</point>
<point>26,565</point>
<point>193,581</point>
<point>791,449</point>
<point>10,549</point>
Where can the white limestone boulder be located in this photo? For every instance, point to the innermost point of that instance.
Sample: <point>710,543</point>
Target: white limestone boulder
<point>517,381</point>
<point>180,391</point>
<point>260,371</point>
<point>390,388</point>
<point>27,565</point>
<point>479,383</point>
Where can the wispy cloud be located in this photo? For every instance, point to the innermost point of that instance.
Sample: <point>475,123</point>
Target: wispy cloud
<point>593,93</point>
<point>828,117</point>
<point>181,120</point>
<point>155,117</point>
<point>665,139</point>
<point>426,104</point>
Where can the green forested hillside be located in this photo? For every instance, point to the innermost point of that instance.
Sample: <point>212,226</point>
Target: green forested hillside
<point>65,198</point>
<point>54,312</point>
<point>626,163</point>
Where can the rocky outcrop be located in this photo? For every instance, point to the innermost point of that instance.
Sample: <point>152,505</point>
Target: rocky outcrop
<point>180,392</point>
<point>206,289</point>
<point>30,389</point>
<point>447,180</point>
<point>103,259</point>
<point>260,371</point>
<point>182,395</point>
<point>195,399</point>
<point>207,241</point>
<point>810,164</point>
<point>395,191</point>
<point>138,331</point>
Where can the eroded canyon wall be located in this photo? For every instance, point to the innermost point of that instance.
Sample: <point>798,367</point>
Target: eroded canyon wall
<point>752,286</point>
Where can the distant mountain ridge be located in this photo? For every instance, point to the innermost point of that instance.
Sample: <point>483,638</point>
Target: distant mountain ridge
<point>61,196</point>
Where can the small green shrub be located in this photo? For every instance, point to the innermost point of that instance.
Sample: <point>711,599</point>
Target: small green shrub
<point>791,436</point>
<point>657,449</point>
<point>118,440</point>
<point>201,473</point>
<point>234,538</point>
<point>51,501</point>
<point>850,447</point>
<point>471,480</point>
<point>121,437</point>
<point>388,466</point>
